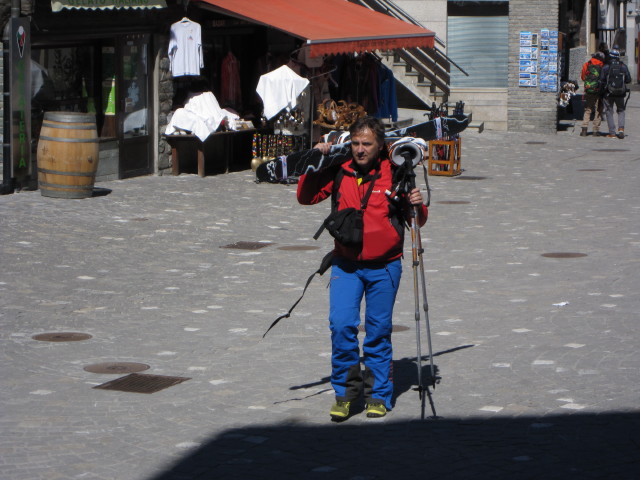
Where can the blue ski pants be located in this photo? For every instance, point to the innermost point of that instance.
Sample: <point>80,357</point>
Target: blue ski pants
<point>378,284</point>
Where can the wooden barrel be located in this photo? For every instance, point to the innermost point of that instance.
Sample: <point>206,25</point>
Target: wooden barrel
<point>67,155</point>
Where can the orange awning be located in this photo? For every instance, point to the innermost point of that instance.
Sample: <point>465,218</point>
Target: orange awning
<point>58,5</point>
<point>328,26</point>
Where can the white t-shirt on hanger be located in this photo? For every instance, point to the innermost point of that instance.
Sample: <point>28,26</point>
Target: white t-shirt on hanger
<point>185,48</point>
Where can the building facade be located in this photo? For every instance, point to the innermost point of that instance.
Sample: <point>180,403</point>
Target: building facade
<point>483,38</point>
<point>82,53</point>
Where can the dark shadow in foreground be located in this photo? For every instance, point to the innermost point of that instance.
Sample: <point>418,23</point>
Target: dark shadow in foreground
<point>574,446</point>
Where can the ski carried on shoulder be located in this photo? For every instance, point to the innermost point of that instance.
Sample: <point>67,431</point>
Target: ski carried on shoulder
<point>305,161</point>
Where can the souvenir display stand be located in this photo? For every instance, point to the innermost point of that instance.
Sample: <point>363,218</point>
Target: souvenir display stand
<point>293,106</point>
<point>283,93</point>
<point>214,118</point>
<point>221,152</point>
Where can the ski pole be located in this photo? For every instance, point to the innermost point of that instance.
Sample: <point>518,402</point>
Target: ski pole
<point>417,262</point>
<point>414,266</point>
<point>425,303</point>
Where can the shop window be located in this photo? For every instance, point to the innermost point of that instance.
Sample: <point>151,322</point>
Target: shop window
<point>60,77</point>
<point>73,78</point>
<point>107,79</point>
<point>134,76</point>
<point>478,41</point>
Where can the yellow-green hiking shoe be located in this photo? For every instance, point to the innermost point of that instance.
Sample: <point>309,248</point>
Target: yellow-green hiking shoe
<point>340,410</point>
<point>376,410</point>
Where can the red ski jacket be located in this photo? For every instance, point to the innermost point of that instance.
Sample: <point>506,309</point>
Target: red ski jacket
<point>383,235</point>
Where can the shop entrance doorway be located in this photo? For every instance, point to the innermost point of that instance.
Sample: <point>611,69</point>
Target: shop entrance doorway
<point>135,122</point>
<point>108,77</point>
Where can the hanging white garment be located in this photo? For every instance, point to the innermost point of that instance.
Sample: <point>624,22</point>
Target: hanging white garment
<point>185,48</point>
<point>201,115</point>
<point>279,89</point>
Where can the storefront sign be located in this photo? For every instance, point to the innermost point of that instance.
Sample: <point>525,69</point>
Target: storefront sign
<point>20,81</point>
<point>57,5</point>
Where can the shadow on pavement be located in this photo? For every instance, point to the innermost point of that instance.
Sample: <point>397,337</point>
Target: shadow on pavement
<point>572,446</point>
<point>100,191</point>
<point>578,446</point>
<point>405,378</point>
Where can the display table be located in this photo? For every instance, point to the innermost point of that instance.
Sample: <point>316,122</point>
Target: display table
<point>221,151</point>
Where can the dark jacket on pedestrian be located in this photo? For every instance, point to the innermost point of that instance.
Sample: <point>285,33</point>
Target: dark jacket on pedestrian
<point>605,76</point>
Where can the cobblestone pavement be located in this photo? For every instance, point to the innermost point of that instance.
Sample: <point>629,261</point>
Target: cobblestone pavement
<point>538,355</point>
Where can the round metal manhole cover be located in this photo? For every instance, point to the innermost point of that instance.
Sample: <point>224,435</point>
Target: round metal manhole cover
<point>453,202</point>
<point>62,337</point>
<point>394,328</point>
<point>591,169</point>
<point>471,178</point>
<point>293,248</point>
<point>564,255</point>
<point>116,367</point>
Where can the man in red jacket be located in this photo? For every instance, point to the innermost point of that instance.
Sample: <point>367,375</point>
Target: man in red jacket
<point>372,270</point>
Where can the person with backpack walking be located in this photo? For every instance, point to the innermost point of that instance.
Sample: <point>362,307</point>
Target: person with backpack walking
<point>370,267</point>
<point>591,76</point>
<point>604,49</point>
<point>615,77</point>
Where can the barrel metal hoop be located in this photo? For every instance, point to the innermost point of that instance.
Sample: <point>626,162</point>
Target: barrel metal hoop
<point>69,174</point>
<point>66,187</point>
<point>69,117</point>
<point>70,140</point>
<point>68,126</point>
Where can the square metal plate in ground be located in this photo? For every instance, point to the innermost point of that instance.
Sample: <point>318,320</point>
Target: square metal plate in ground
<point>142,383</point>
<point>247,245</point>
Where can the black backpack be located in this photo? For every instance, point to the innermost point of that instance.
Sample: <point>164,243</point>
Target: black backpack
<point>616,86</point>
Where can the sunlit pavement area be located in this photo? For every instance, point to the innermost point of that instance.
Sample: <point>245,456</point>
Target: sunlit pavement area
<point>532,267</point>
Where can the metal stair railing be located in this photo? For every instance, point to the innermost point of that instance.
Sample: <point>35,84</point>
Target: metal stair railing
<point>429,63</point>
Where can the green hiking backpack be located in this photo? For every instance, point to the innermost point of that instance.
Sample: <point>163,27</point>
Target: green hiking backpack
<point>592,78</point>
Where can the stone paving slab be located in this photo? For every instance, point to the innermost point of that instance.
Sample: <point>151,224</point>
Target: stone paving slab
<point>538,356</point>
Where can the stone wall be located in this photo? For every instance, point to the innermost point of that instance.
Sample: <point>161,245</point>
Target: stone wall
<point>431,14</point>
<point>165,101</point>
<point>577,57</point>
<point>529,109</point>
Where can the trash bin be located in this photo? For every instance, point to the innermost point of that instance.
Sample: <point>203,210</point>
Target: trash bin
<point>67,155</point>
